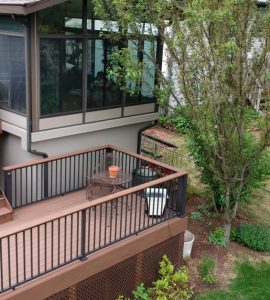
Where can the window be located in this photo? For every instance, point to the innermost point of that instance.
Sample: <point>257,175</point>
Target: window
<point>65,18</point>
<point>12,65</point>
<point>101,91</point>
<point>61,75</point>
<point>144,52</point>
<point>68,50</point>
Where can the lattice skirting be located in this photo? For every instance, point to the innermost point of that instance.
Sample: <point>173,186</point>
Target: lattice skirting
<point>122,278</point>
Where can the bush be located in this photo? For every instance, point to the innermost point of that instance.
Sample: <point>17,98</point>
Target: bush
<point>196,216</point>
<point>171,284</point>
<point>206,268</point>
<point>256,237</point>
<point>217,237</point>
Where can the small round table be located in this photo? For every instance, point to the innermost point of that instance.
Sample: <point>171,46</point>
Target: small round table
<point>104,178</point>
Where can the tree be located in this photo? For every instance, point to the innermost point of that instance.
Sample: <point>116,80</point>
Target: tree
<point>219,54</point>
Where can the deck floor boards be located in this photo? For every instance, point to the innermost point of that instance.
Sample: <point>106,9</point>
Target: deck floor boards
<point>49,245</point>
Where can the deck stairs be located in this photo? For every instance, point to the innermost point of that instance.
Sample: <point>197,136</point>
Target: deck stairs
<point>6,211</point>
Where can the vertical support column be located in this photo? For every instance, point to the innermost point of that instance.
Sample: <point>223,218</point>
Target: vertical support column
<point>83,235</point>
<point>181,195</point>
<point>8,186</point>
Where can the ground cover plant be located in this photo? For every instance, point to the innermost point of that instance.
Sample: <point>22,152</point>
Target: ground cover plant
<point>206,269</point>
<point>256,237</point>
<point>251,283</point>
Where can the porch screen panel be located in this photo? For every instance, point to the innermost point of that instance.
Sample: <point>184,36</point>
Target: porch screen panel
<point>60,75</point>
<point>12,65</point>
<point>101,91</point>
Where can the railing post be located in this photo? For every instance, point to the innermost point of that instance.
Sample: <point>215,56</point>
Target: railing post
<point>8,186</point>
<point>83,235</point>
<point>181,195</point>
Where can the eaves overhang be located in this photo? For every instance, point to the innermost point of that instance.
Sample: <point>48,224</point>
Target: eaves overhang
<point>25,7</point>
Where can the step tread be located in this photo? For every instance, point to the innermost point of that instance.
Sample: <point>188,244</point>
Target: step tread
<point>4,211</point>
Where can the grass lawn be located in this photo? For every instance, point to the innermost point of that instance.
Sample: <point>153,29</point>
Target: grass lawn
<point>251,283</point>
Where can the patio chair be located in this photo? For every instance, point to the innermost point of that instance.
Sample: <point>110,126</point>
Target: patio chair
<point>156,199</point>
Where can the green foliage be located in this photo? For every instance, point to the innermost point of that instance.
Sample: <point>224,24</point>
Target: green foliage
<point>171,284</point>
<point>206,268</point>
<point>217,237</point>
<point>141,293</point>
<point>176,119</point>
<point>208,49</point>
<point>251,283</point>
<point>196,216</point>
<point>124,68</point>
<point>256,237</point>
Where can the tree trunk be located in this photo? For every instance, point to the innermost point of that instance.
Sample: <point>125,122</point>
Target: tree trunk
<point>227,226</point>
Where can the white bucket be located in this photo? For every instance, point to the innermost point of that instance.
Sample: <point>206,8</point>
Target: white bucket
<point>188,242</point>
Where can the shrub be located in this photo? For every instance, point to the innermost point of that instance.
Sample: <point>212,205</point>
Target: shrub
<point>196,216</point>
<point>171,284</point>
<point>256,237</point>
<point>206,268</point>
<point>217,237</point>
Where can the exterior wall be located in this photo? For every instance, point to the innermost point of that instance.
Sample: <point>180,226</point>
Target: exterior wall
<point>12,153</point>
<point>124,137</point>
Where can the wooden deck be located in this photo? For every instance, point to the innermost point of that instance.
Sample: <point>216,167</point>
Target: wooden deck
<point>33,251</point>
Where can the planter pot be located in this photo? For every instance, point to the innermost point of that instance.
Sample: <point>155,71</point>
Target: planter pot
<point>188,243</point>
<point>114,171</point>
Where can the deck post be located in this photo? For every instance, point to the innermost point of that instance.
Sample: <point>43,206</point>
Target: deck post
<point>83,233</point>
<point>8,186</point>
<point>181,195</point>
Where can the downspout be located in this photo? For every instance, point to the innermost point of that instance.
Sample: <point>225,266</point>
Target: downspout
<point>139,138</point>
<point>27,24</point>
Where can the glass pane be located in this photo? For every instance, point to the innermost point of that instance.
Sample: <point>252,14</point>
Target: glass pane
<point>9,24</point>
<point>132,94</point>
<point>60,75</point>
<point>101,92</point>
<point>65,18</point>
<point>12,73</point>
<point>94,22</point>
<point>148,74</point>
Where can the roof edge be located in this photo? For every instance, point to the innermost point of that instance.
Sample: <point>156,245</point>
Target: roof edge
<point>26,9</point>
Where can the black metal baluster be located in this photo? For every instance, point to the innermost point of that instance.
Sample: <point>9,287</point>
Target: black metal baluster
<point>59,245</point>
<point>31,251</point>
<point>1,266</point>
<point>77,237</point>
<point>83,234</point>
<point>17,259</point>
<point>52,233</point>
<point>9,263</point>
<point>45,247</point>
<point>38,253</point>
<point>71,237</point>
<point>65,239</point>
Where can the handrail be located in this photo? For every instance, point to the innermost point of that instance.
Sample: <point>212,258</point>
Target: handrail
<point>56,157</point>
<point>99,201</point>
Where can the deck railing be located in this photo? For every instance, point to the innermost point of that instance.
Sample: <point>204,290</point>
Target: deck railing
<point>29,253</point>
